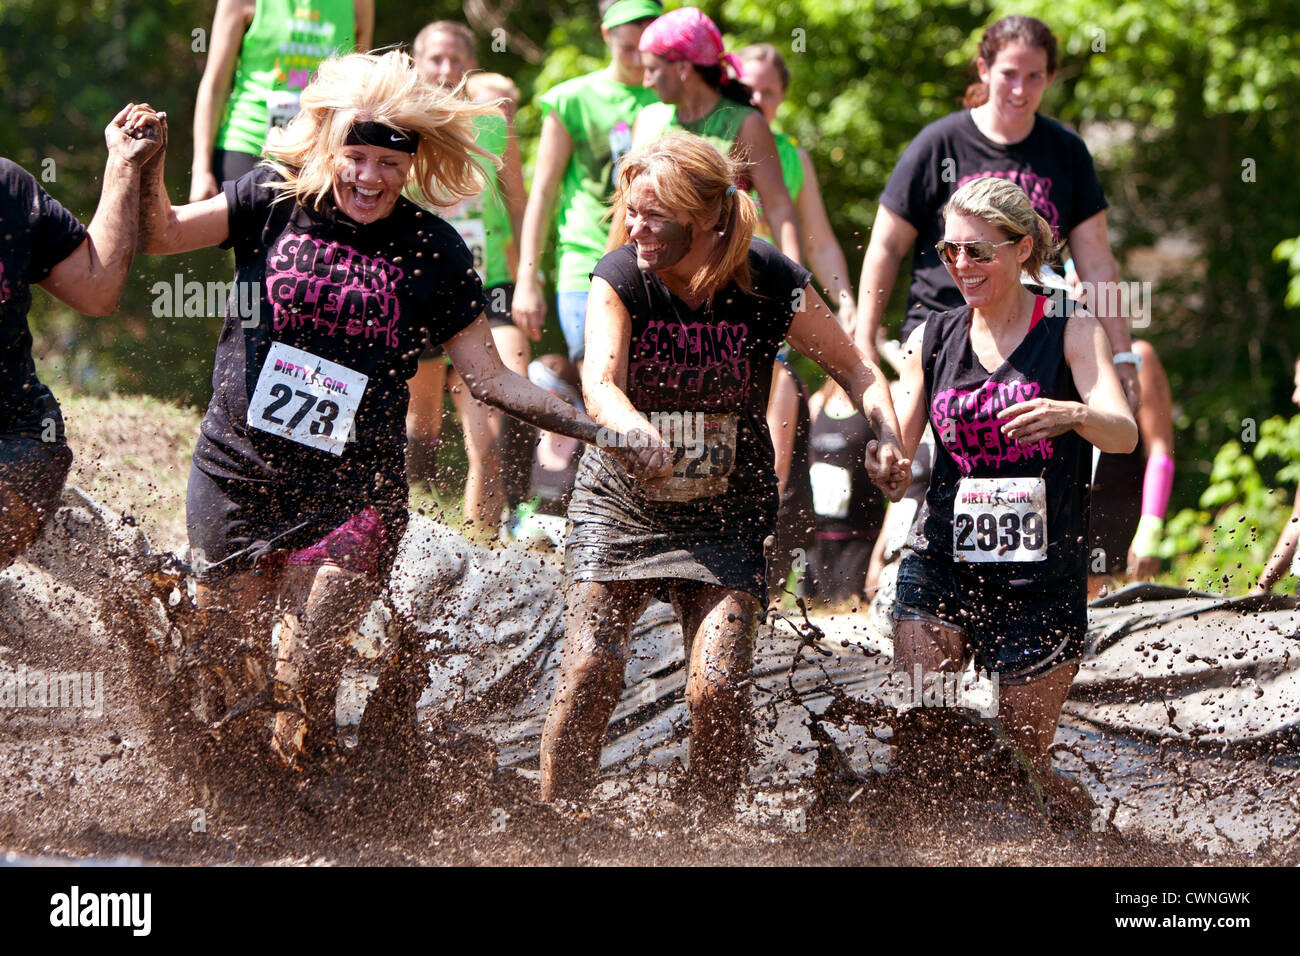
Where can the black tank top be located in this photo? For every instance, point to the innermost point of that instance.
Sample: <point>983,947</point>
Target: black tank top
<point>963,400</point>
<point>841,443</point>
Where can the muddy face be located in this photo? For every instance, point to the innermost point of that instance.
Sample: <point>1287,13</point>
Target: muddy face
<point>661,239</point>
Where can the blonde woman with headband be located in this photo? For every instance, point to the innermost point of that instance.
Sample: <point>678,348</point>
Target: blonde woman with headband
<point>297,494</point>
<point>685,318</point>
<point>996,563</point>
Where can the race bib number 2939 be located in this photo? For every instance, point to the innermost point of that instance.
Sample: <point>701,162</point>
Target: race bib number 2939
<point>1000,519</point>
<point>305,398</point>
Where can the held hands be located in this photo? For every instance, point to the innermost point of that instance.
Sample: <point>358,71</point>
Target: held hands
<point>890,471</point>
<point>136,134</point>
<point>645,455</point>
<point>1040,418</point>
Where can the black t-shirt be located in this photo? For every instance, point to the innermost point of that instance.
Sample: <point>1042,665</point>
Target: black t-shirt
<point>716,359</point>
<point>367,297</point>
<point>36,234</point>
<point>838,463</point>
<point>1052,165</point>
<point>964,399</point>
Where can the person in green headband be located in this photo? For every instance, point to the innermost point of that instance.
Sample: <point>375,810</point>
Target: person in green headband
<point>586,129</point>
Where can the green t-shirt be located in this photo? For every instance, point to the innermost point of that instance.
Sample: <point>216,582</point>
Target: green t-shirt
<point>597,111</point>
<point>483,221</point>
<point>791,171</point>
<point>284,44</point>
<point>720,126</point>
<point>791,164</point>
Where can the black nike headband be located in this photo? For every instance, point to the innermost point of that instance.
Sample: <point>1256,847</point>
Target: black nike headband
<point>371,133</point>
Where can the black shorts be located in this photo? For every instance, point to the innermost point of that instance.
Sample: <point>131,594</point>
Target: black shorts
<point>499,310</point>
<point>35,470</point>
<point>229,165</point>
<point>1019,628</point>
<point>233,525</point>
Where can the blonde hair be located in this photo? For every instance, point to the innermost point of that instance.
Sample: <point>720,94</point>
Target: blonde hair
<point>692,178</point>
<point>492,86</point>
<point>385,89</point>
<point>1003,204</point>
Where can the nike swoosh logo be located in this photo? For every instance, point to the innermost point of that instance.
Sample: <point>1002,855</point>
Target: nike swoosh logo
<point>397,139</point>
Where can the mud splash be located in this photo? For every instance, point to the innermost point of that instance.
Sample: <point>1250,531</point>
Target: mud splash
<point>450,681</point>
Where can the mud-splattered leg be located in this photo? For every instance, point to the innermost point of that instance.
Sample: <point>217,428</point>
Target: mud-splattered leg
<point>598,622</point>
<point>19,525</point>
<point>321,604</point>
<point>1029,713</point>
<point>719,626</point>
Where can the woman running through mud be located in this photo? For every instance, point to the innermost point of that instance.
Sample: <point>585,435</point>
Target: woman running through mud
<point>83,267</point>
<point>298,491</point>
<point>686,316</point>
<point>997,561</point>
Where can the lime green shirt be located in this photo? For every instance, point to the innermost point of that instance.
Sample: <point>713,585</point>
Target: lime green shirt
<point>597,111</point>
<point>483,221</point>
<point>720,126</point>
<point>284,44</point>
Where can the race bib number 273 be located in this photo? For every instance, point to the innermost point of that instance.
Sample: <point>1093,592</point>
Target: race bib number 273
<point>1000,519</point>
<point>305,398</point>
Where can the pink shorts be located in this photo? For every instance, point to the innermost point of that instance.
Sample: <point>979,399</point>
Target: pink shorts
<point>356,545</point>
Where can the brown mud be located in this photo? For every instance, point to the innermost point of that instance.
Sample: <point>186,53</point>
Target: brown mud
<point>140,777</point>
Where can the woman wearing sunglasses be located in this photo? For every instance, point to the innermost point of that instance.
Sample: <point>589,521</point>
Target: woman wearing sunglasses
<point>996,566</point>
<point>999,134</point>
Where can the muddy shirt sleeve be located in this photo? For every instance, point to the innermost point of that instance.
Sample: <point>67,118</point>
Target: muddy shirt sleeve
<point>450,297</point>
<point>248,204</point>
<point>55,232</point>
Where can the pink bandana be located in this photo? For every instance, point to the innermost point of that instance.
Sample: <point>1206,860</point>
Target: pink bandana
<point>687,34</point>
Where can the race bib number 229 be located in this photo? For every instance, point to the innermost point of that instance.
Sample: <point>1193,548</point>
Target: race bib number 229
<point>306,399</point>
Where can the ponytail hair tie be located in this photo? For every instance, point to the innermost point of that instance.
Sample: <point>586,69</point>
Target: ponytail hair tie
<point>731,190</point>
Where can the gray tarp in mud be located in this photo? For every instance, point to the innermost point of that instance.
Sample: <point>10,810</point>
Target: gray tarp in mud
<point>1161,662</point>
<point>1163,666</point>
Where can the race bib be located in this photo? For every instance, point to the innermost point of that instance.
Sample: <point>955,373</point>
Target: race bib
<point>281,106</point>
<point>832,488</point>
<point>304,398</point>
<point>474,232</point>
<point>1000,519</point>
<point>702,460</point>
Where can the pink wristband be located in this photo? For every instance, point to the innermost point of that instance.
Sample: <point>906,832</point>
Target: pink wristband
<point>1157,485</point>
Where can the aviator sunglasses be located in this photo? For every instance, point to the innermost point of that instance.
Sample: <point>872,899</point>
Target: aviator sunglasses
<point>979,250</point>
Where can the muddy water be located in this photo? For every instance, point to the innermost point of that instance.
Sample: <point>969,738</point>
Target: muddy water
<point>135,776</point>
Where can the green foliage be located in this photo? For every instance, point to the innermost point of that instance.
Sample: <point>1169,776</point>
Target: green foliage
<point>1224,543</point>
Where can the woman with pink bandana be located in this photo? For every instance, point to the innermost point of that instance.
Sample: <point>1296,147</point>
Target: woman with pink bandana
<point>696,81</point>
